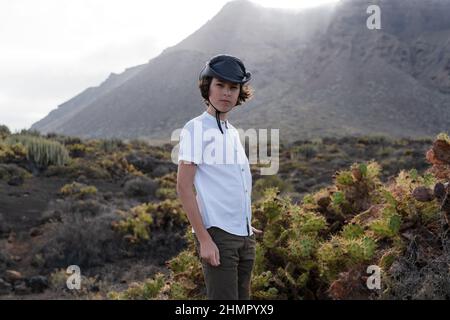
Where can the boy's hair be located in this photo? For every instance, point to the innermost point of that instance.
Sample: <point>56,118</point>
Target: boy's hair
<point>245,93</point>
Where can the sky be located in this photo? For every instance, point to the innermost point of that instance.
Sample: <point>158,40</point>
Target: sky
<point>52,50</point>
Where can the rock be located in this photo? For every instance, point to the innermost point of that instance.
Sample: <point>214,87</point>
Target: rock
<point>439,191</point>
<point>13,276</point>
<point>15,181</point>
<point>11,237</point>
<point>50,215</point>
<point>82,179</point>
<point>445,208</point>
<point>108,196</point>
<point>5,262</point>
<point>423,194</point>
<point>4,228</point>
<point>324,201</point>
<point>21,288</point>
<point>130,238</point>
<point>5,287</point>
<point>34,232</point>
<point>94,288</point>
<point>350,285</point>
<point>441,151</point>
<point>38,261</point>
<point>356,173</point>
<point>37,284</point>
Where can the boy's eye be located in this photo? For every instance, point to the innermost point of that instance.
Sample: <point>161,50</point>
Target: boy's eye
<point>221,85</point>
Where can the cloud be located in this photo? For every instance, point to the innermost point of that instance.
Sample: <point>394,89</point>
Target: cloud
<point>52,50</point>
<point>31,89</point>
<point>19,113</point>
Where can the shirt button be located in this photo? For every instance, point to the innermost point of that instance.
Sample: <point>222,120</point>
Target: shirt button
<point>242,169</point>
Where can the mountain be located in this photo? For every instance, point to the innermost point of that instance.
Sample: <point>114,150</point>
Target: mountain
<point>317,72</point>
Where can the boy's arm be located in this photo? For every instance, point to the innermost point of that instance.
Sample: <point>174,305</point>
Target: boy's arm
<point>185,182</point>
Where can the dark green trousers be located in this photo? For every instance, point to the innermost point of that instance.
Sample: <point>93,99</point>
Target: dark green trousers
<point>231,279</point>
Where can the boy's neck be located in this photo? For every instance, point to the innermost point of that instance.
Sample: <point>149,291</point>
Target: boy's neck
<point>212,111</point>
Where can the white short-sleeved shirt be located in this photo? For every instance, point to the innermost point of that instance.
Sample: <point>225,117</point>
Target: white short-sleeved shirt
<point>223,180</point>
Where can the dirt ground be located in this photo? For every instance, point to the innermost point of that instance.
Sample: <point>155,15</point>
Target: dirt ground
<point>21,209</point>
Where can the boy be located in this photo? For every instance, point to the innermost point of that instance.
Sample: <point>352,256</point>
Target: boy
<point>220,212</point>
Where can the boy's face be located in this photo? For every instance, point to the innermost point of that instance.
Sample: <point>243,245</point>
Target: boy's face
<point>223,94</point>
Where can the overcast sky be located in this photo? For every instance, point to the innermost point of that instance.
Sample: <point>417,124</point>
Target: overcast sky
<point>51,50</point>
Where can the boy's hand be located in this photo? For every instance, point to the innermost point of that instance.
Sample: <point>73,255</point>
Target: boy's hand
<point>257,231</point>
<point>210,253</point>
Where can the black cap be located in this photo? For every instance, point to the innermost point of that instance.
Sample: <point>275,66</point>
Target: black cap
<point>226,67</point>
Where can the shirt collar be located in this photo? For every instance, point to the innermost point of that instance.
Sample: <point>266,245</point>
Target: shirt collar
<point>207,115</point>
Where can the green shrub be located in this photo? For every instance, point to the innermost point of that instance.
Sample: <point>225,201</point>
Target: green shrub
<point>77,189</point>
<point>166,193</point>
<point>271,181</point>
<point>309,248</point>
<point>80,239</point>
<point>112,145</point>
<point>141,291</point>
<point>4,131</point>
<point>117,166</point>
<point>140,186</point>
<point>77,167</point>
<point>41,151</point>
<point>443,136</point>
<point>307,151</point>
<point>77,150</point>
<point>12,153</point>
<point>7,171</point>
<point>135,223</point>
<point>340,254</point>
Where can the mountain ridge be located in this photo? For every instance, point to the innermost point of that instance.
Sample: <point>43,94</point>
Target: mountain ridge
<point>316,72</point>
